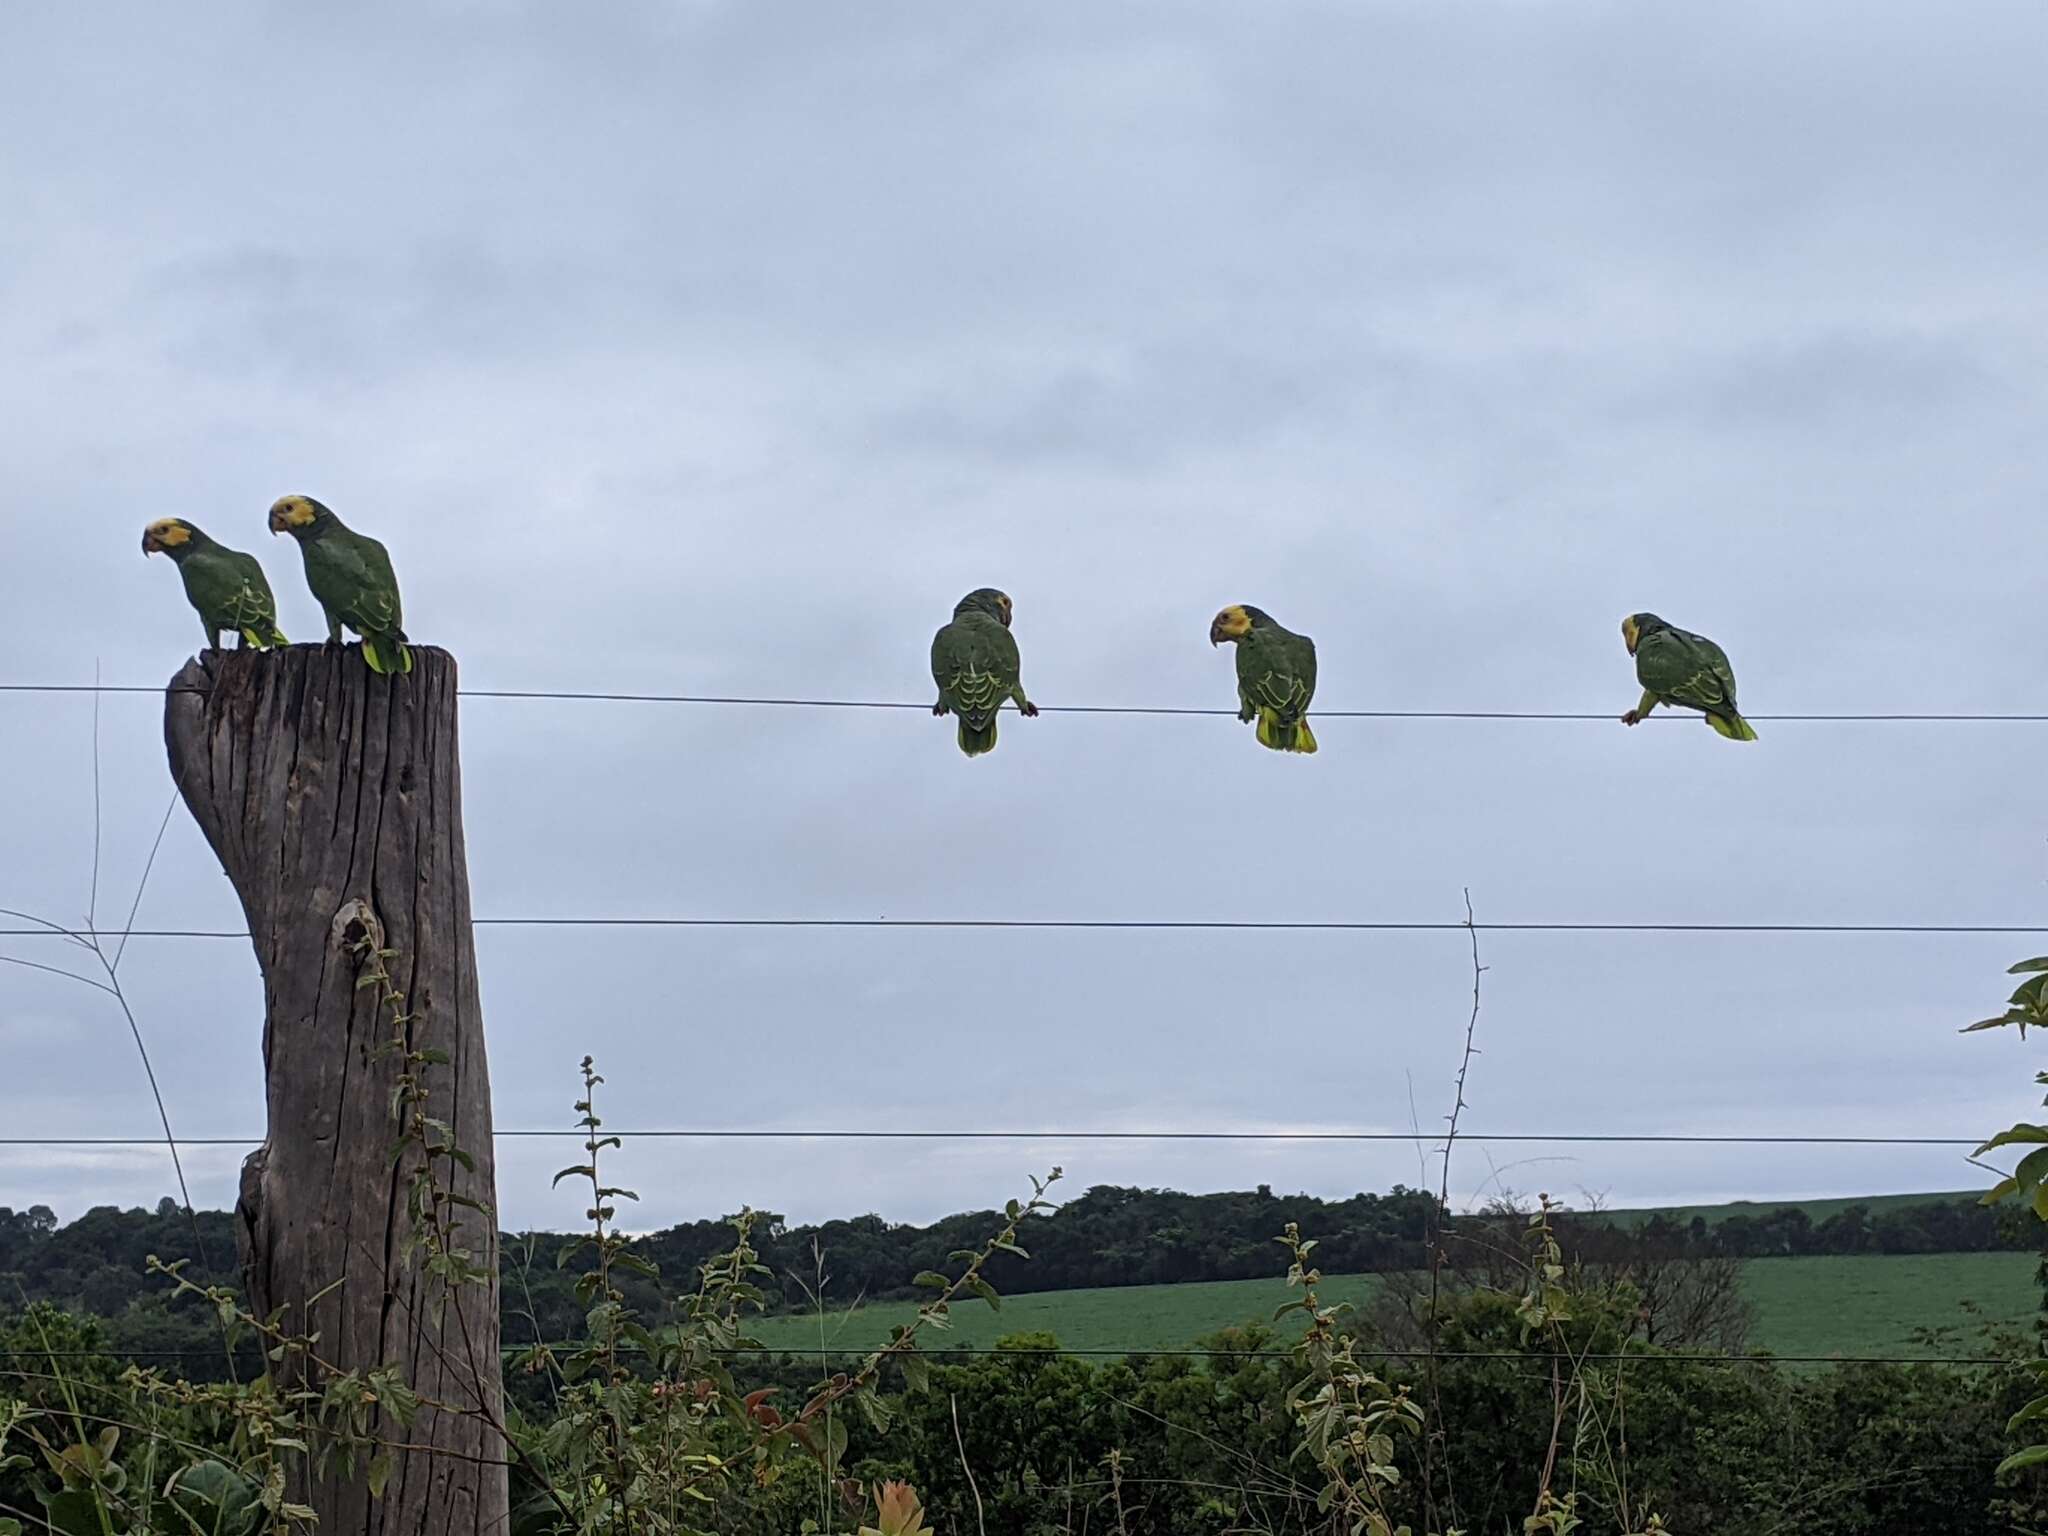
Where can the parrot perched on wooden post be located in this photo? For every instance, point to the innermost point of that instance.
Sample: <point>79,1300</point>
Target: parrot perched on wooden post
<point>1676,666</point>
<point>1276,675</point>
<point>350,573</point>
<point>227,587</point>
<point>976,665</point>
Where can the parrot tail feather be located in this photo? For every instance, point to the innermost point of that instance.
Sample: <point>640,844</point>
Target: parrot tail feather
<point>1282,736</point>
<point>977,739</point>
<point>382,660</point>
<point>1734,727</point>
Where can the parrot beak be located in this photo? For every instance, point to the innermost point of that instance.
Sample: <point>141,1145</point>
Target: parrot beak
<point>149,545</point>
<point>1216,633</point>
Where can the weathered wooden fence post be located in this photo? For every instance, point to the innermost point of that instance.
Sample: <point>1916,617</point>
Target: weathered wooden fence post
<point>330,793</point>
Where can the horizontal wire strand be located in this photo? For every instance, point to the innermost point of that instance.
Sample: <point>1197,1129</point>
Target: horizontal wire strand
<point>985,1352</point>
<point>1114,925</point>
<point>769,701</point>
<point>1417,1138</point>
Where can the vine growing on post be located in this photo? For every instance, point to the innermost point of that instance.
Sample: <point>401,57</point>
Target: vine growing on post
<point>432,1204</point>
<point>305,1414</point>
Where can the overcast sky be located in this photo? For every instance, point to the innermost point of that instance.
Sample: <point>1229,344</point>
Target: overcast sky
<point>721,347</point>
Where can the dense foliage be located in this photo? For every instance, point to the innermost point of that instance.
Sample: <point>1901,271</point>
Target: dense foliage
<point>1186,1446</point>
<point>1556,1392</point>
<point>1522,1371</point>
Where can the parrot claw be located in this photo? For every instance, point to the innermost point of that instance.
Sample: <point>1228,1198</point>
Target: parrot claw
<point>1633,717</point>
<point>1027,708</point>
<point>939,708</point>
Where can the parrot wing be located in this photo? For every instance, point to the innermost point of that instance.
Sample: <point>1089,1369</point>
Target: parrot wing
<point>1273,676</point>
<point>1686,669</point>
<point>352,575</point>
<point>230,591</point>
<point>1303,651</point>
<point>252,606</point>
<point>975,664</point>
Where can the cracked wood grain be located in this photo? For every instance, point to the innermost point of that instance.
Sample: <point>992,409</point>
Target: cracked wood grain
<point>320,785</point>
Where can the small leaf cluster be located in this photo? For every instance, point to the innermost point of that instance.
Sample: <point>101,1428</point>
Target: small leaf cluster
<point>426,1145</point>
<point>650,1429</point>
<point>1546,1299</point>
<point>1349,1417</point>
<point>2026,1009</point>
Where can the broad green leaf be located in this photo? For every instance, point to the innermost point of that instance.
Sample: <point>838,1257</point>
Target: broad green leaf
<point>874,1410</point>
<point>2032,1169</point>
<point>2032,1456</point>
<point>1998,1023</point>
<point>73,1512</point>
<point>917,1375</point>
<point>2037,1409</point>
<point>2018,1136</point>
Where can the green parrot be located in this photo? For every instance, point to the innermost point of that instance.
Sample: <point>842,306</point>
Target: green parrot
<point>1678,667</point>
<point>1276,676</point>
<point>351,575</point>
<point>227,587</point>
<point>975,664</point>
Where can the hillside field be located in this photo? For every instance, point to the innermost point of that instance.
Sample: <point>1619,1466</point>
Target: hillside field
<point>1805,1306</point>
<point>1817,1211</point>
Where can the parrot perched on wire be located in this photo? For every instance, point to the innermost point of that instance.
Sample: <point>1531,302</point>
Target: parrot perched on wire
<point>975,664</point>
<point>1276,676</point>
<point>227,587</point>
<point>350,574</point>
<point>1678,667</point>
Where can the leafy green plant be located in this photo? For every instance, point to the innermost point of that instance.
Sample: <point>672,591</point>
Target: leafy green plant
<point>2026,1009</point>
<point>652,1432</point>
<point>1350,1419</point>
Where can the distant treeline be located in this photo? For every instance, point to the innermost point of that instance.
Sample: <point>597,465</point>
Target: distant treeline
<point>1107,1237</point>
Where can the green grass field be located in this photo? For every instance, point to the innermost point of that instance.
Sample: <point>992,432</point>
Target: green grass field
<point>1805,1306</point>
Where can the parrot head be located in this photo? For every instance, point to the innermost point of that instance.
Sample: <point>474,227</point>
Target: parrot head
<point>298,516</point>
<point>167,536</point>
<point>986,600</point>
<point>1637,625</point>
<point>1235,622</point>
